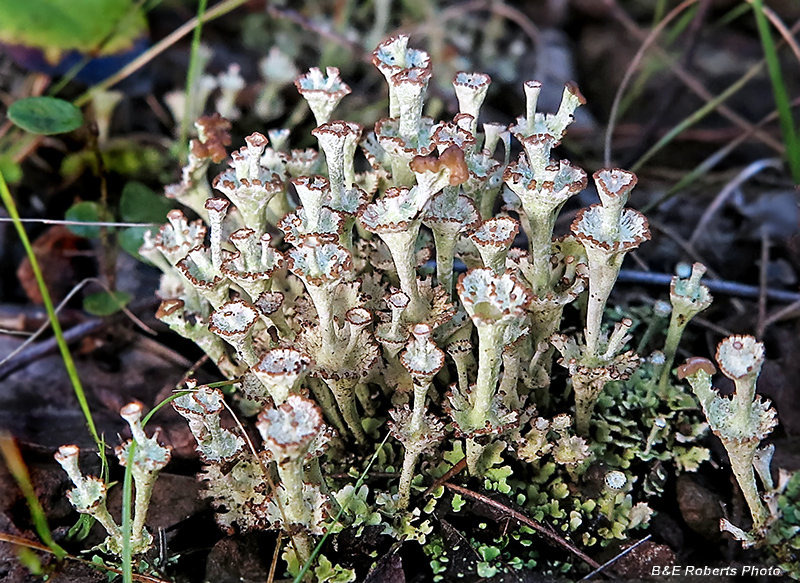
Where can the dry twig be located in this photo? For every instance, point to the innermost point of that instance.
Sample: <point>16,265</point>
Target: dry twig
<point>549,534</point>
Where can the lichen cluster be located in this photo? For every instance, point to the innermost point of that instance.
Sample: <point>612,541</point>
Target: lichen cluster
<point>307,279</point>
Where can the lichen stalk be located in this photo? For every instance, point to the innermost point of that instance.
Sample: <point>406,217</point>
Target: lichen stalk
<point>741,456</point>
<point>445,242</point>
<point>401,246</point>
<point>344,393</point>
<point>490,358</point>
<point>603,273</point>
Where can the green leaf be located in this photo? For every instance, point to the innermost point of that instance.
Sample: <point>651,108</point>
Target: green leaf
<point>486,570</point>
<point>55,26</point>
<point>80,530</point>
<point>105,304</point>
<point>45,115</point>
<point>489,553</point>
<point>131,238</point>
<point>139,204</point>
<point>85,212</point>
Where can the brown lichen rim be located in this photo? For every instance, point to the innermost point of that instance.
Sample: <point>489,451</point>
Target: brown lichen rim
<point>341,268</point>
<point>400,145</point>
<point>183,267</point>
<point>217,205</point>
<point>294,362</point>
<point>228,268</point>
<point>492,230</point>
<point>602,185</point>
<point>572,87</point>
<point>358,316</point>
<point>317,182</point>
<point>227,306</point>
<point>615,246</point>
<point>507,273</point>
<point>483,80</point>
<point>451,134</point>
<point>378,228</point>
<point>268,302</point>
<point>169,307</point>
<point>376,60</point>
<point>740,339</point>
<point>488,428</point>
<point>424,375</point>
<point>466,205</point>
<point>339,128</point>
<point>287,408</point>
<point>329,72</point>
<point>294,220</point>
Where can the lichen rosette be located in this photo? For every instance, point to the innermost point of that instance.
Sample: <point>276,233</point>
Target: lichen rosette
<point>250,184</point>
<point>281,370</point>
<point>322,92</point>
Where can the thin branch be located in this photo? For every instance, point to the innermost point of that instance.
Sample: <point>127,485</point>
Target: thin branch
<point>46,325</point>
<point>546,532</point>
<point>275,556</point>
<point>79,223</point>
<point>762,284</point>
<point>326,33</point>
<point>790,311</point>
<point>456,469</point>
<point>29,544</point>
<point>615,559</point>
<point>632,67</point>
<point>219,10</point>
<point>748,172</point>
<point>691,82</point>
<point>717,286</point>
<point>785,33</point>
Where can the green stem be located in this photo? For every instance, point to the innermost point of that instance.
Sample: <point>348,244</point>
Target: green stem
<point>127,487</point>
<point>603,273</point>
<point>291,474</point>
<point>782,101</point>
<point>190,78</point>
<point>401,246</point>
<point>540,244</point>
<point>363,396</point>
<point>307,564</point>
<point>674,333</point>
<point>16,466</point>
<point>323,396</point>
<point>63,348</point>
<point>322,296</point>
<point>743,401</point>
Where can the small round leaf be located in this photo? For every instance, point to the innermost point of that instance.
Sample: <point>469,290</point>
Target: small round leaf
<point>131,238</point>
<point>139,204</point>
<point>105,304</point>
<point>85,212</point>
<point>45,115</point>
